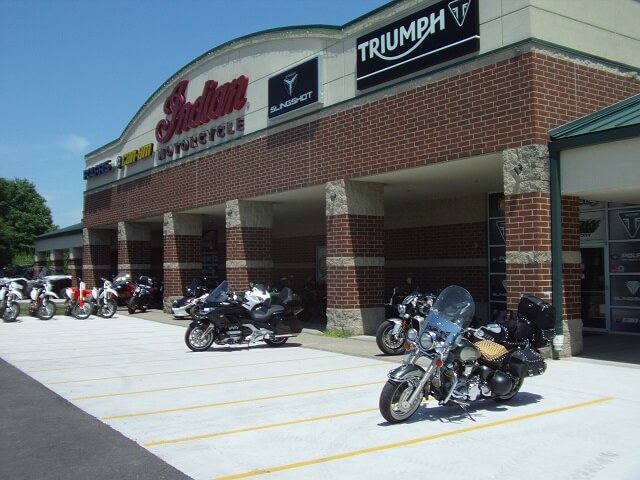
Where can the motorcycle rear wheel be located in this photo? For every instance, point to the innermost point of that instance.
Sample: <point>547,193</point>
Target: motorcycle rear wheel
<point>82,312</point>
<point>386,342</point>
<point>393,401</point>
<point>11,312</point>
<point>108,308</point>
<point>276,342</point>
<point>46,310</point>
<point>195,339</point>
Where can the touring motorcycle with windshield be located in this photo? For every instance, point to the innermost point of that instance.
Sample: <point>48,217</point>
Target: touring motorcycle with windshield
<point>463,363</point>
<point>228,318</point>
<point>194,297</point>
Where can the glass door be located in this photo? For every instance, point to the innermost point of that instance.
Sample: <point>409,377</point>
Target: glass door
<point>594,288</point>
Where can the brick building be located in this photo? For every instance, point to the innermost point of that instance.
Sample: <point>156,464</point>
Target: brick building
<point>410,142</point>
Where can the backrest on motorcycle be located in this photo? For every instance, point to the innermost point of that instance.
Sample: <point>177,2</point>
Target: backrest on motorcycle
<point>518,326</point>
<point>542,315</point>
<point>145,280</point>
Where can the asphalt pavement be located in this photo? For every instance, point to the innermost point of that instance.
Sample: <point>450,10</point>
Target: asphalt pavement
<point>88,400</point>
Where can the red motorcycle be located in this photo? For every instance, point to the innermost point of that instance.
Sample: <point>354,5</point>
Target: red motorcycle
<point>78,302</point>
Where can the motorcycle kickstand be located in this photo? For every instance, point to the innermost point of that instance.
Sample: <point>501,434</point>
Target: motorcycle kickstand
<point>464,406</point>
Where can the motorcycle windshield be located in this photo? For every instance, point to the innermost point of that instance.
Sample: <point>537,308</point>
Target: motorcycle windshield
<point>218,294</point>
<point>452,311</point>
<point>122,277</point>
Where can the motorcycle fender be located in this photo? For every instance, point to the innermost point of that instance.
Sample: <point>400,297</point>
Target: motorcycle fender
<point>402,372</point>
<point>109,293</point>
<point>200,323</point>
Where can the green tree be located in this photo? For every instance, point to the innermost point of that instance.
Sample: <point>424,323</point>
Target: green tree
<point>23,216</point>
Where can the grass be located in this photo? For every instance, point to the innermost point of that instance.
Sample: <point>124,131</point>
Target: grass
<point>336,332</point>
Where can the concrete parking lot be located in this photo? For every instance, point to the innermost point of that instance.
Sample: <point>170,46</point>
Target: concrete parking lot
<point>307,410</point>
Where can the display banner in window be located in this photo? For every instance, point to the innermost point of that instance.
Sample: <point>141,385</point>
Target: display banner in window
<point>497,260</point>
<point>625,290</point>
<point>625,320</point>
<point>624,257</point>
<point>433,35</point>
<point>592,226</point>
<point>498,288</point>
<point>496,231</point>
<point>624,224</point>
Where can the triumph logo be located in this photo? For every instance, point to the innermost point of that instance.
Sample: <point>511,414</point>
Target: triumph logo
<point>633,286</point>
<point>631,221</point>
<point>290,82</point>
<point>459,9</point>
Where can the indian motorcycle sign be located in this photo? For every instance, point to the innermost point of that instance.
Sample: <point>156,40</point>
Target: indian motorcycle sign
<point>436,34</point>
<point>214,103</point>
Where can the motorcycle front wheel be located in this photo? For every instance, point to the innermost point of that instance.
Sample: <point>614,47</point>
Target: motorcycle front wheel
<point>11,312</point>
<point>108,308</point>
<point>132,305</point>
<point>386,341</point>
<point>394,401</point>
<point>196,339</point>
<point>82,312</point>
<point>47,310</point>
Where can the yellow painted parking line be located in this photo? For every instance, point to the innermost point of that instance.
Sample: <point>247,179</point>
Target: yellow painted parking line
<point>260,427</point>
<point>188,370</point>
<point>239,402</point>
<point>228,382</point>
<point>405,443</point>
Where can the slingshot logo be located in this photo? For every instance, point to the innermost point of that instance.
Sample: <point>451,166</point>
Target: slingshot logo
<point>459,9</point>
<point>633,286</point>
<point>501,229</point>
<point>290,82</point>
<point>631,221</point>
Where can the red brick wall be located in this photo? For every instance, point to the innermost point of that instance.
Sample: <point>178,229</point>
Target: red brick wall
<point>355,236</point>
<point>432,243</point>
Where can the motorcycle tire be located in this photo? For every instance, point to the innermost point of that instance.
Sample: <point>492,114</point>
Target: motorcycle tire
<point>108,308</point>
<point>132,305</point>
<point>511,394</point>
<point>393,401</point>
<point>11,312</point>
<point>386,343</point>
<point>276,342</point>
<point>47,310</point>
<point>195,340</point>
<point>82,312</point>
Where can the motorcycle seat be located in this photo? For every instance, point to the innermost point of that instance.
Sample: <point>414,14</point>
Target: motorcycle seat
<point>263,314</point>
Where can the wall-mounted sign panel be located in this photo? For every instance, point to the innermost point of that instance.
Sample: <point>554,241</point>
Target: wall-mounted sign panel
<point>436,34</point>
<point>295,88</point>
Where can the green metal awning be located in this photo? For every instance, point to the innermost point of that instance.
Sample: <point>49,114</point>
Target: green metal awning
<point>618,121</point>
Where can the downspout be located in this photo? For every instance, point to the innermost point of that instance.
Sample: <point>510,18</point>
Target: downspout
<point>556,248</point>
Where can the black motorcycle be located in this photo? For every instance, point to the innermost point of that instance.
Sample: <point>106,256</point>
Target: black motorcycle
<point>409,313</point>
<point>460,363</point>
<point>194,296</point>
<point>144,295</point>
<point>227,318</point>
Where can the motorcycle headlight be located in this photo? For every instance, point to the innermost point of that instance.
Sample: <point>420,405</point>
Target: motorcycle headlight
<point>401,309</point>
<point>427,340</point>
<point>412,334</point>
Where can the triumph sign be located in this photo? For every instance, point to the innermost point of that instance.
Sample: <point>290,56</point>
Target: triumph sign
<point>434,35</point>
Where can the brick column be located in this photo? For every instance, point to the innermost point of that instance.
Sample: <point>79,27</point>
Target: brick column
<point>182,234</point>
<point>134,249</point>
<point>355,256</point>
<point>528,236</point>
<point>57,261</point>
<point>39,262</point>
<point>96,256</point>
<point>74,263</point>
<point>249,243</point>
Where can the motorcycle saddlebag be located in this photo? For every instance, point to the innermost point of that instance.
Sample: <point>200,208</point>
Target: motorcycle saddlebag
<point>526,363</point>
<point>517,326</point>
<point>542,316</point>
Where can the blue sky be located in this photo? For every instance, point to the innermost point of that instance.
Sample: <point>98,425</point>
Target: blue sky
<point>74,72</point>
